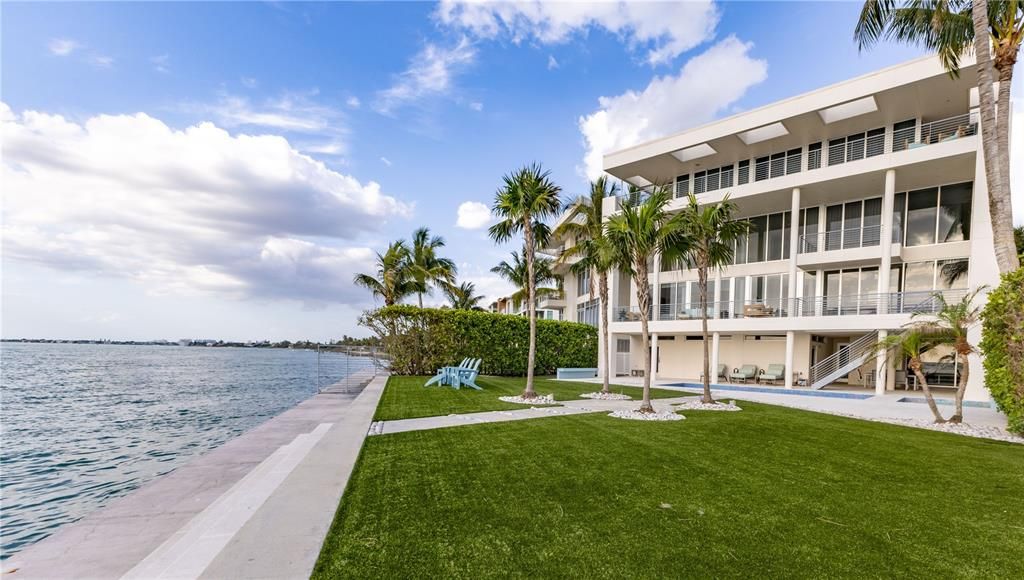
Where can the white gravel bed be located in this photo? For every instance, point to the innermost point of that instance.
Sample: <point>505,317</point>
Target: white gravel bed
<point>980,431</point>
<point>697,405</point>
<point>538,400</point>
<point>638,416</point>
<point>606,396</point>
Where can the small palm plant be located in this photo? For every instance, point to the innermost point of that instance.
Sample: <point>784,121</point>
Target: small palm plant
<point>643,229</point>
<point>393,281</point>
<point>463,296</point>
<point>711,234</point>
<point>951,323</point>
<point>912,344</point>
<point>584,223</point>
<point>527,198</point>
<point>514,272</point>
<point>425,266</point>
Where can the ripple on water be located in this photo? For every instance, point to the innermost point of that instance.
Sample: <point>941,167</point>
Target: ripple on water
<point>84,424</point>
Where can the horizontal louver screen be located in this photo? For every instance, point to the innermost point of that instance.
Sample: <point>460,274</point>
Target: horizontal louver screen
<point>814,156</point>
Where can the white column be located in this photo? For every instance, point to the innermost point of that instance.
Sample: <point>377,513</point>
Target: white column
<point>789,359</point>
<point>794,241</point>
<point>885,240</point>
<point>716,308</point>
<point>881,366</point>
<point>656,294</point>
<point>654,356</point>
<point>715,338</point>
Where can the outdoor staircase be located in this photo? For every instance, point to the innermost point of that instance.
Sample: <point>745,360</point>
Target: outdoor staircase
<point>843,361</point>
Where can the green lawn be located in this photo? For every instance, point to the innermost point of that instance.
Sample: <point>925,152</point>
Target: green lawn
<point>765,492</point>
<point>406,397</point>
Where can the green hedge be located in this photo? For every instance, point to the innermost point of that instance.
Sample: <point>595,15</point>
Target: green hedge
<point>419,340</point>
<point>1002,342</point>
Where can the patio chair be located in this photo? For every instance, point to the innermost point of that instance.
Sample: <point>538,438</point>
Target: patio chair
<point>744,373</point>
<point>467,375</point>
<point>722,373</point>
<point>443,373</point>
<point>773,373</point>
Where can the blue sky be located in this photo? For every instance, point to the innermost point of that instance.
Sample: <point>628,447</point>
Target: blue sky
<point>221,170</point>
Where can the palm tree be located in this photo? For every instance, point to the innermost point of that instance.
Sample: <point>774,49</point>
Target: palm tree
<point>393,280</point>
<point>463,296</point>
<point>514,272</point>
<point>526,199</point>
<point>642,230</point>
<point>711,234</point>
<point>911,344</point>
<point>426,266</point>
<point>584,223</point>
<point>951,322</point>
<point>952,28</point>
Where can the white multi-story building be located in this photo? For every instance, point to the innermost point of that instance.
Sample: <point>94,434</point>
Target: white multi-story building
<point>867,197</point>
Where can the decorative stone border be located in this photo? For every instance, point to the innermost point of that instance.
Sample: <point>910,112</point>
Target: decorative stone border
<point>538,400</point>
<point>638,416</point>
<point>606,396</point>
<point>698,405</point>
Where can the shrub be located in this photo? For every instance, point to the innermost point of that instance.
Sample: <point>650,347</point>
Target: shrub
<point>1002,342</point>
<point>420,340</point>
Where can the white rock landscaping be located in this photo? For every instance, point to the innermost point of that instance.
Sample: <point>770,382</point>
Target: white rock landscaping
<point>638,416</point>
<point>606,396</point>
<point>538,400</point>
<point>701,406</point>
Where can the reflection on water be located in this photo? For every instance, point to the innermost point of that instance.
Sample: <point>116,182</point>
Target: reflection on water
<point>82,424</point>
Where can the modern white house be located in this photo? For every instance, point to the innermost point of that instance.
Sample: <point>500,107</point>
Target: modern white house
<point>866,197</point>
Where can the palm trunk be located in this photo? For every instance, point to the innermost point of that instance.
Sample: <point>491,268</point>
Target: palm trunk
<point>915,365</point>
<point>1004,234</point>
<point>961,388</point>
<point>998,193</point>
<point>420,295</point>
<point>531,309</point>
<point>605,331</point>
<point>643,294</point>
<point>702,279</point>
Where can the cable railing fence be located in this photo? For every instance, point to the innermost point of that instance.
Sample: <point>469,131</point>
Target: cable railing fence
<point>347,369</point>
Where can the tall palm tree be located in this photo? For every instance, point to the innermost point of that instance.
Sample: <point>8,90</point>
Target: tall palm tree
<point>515,273</point>
<point>952,28</point>
<point>711,234</point>
<point>463,296</point>
<point>951,322</point>
<point>426,266</point>
<point>641,230</point>
<point>911,344</point>
<point>393,280</point>
<point>526,199</point>
<point>585,224</point>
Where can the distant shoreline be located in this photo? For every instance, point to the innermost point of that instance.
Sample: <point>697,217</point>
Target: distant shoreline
<point>301,345</point>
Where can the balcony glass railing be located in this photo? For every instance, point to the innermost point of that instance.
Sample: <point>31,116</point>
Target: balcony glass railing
<point>845,305</point>
<point>843,239</point>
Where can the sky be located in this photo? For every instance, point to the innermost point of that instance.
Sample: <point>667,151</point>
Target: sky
<point>222,170</point>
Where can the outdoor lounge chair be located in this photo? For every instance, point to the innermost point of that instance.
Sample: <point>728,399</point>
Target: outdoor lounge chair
<point>772,373</point>
<point>722,373</point>
<point>744,373</point>
<point>443,373</point>
<point>467,375</point>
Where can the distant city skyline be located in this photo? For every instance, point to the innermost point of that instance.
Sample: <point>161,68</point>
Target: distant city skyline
<point>190,169</point>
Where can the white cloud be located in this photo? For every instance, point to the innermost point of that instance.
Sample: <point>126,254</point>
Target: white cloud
<point>666,29</point>
<point>249,82</point>
<point>385,161</point>
<point>63,46</point>
<point>552,63</point>
<point>161,63</point>
<point>353,102</point>
<point>197,210</point>
<point>671,103</point>
<point>476,106</point>
<point>101,61</point>
<point>473,215</point>
<point>431,73</point>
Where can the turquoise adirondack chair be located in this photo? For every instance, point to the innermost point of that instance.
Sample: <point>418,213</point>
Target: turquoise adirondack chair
<point>443,374</point>
<point>467,375</point>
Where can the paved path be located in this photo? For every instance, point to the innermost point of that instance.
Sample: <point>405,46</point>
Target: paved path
<point>258,506</point>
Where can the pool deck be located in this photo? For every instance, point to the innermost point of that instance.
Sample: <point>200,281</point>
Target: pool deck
<point>258,506</point>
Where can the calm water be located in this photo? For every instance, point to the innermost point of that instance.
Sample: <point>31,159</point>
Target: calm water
<point>83,424</point>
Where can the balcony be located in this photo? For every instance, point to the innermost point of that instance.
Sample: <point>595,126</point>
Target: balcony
<point>940,131</point>
<point>849,246</point>
<point>553,300</point>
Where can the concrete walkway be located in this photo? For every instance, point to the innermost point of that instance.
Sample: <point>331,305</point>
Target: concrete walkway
<point>259,506</point>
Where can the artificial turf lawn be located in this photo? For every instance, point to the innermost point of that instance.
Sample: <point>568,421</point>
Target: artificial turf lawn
<point>407,398</point>
<point>765,492</point>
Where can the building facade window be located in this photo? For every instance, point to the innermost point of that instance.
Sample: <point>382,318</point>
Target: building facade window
<point>583,283</point>
<point>683,185</point>
<point>589,312</point>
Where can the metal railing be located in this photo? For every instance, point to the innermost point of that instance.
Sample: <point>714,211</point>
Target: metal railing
<point>848,357</point>
<point>840,239</point>
<point>947,129</point>
<point>347,369</point>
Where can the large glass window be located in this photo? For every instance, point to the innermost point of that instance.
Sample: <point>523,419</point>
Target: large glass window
<point>833,227</point>
<point>583,283</point>
<point>851,225</point>
<point>919,277</point>
<point>740,257</point>
<point>952,274</point>
<point>809,229</point>
<point>743,173</point>
<point>849,290</point>
<point>814,156</point>
<point>899,209</point>
<point>775,236</point>
<point>787,225</point>
<point>739,295</point>
<point>683,185</point>
<point>955,213</point>
<point>921,210</point>
<point>872,221</point>
<point>755,239</point>
<point>832,297</point>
